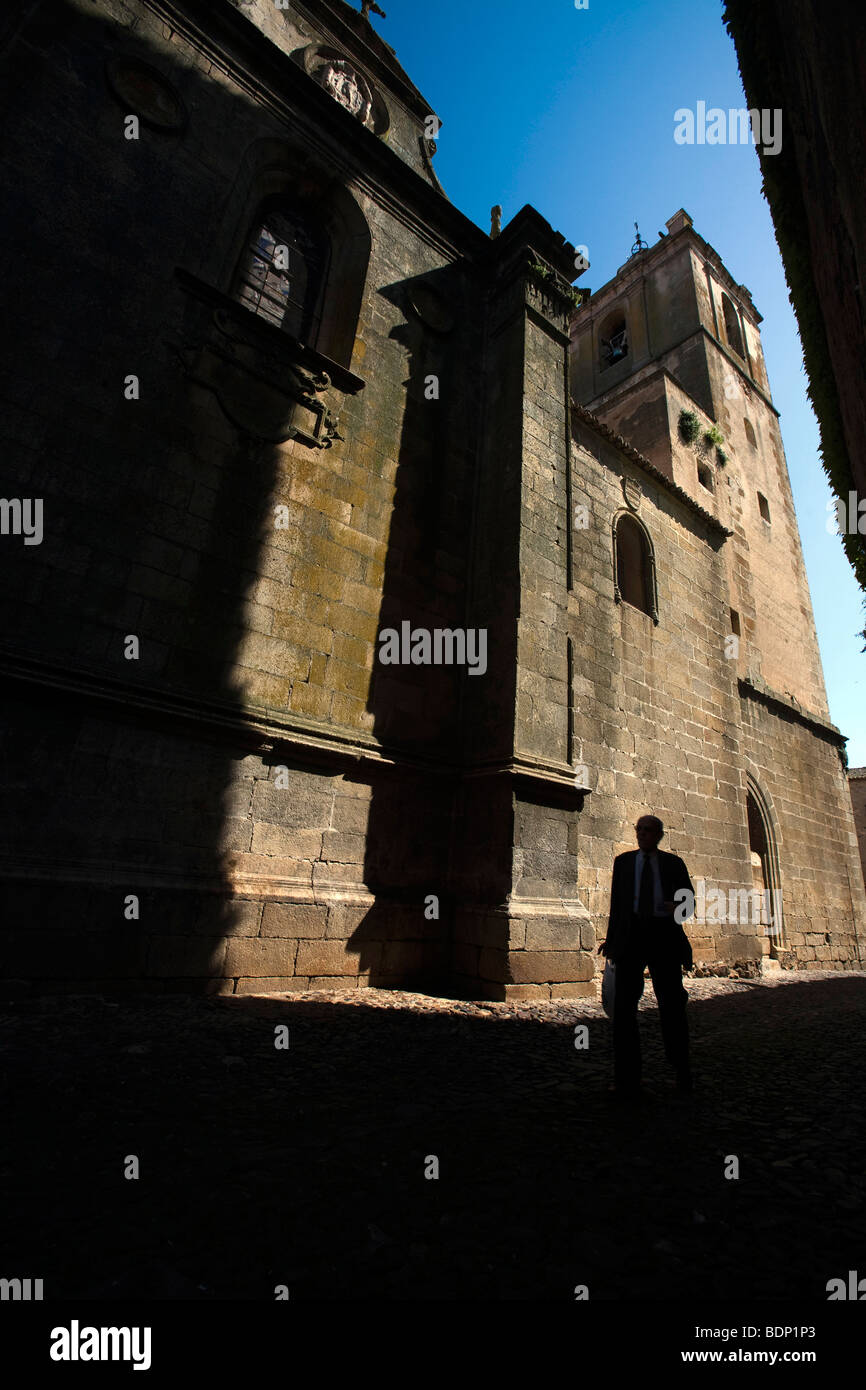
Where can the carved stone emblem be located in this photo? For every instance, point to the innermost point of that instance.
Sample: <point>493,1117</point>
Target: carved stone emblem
<point>347,87</point>
<point>345,83</point>
<point>632,493</point>
<point>271,399</point>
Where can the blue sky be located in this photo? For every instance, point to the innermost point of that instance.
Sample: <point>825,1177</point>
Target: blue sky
<point>573,111</point>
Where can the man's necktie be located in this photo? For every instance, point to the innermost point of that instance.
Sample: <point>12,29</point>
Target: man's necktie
<point>646,893</point>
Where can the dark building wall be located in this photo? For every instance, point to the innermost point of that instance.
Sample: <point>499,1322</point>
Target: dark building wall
<point>808,61</point>
<point>520,926</point>
<point>279,802</point>
<point>257,801</point>
<point>256,641</point>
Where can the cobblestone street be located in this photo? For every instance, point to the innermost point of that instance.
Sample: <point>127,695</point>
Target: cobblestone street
<point>306,1166</point>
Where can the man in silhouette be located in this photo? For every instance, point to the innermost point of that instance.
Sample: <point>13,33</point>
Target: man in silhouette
<point>642,931</point>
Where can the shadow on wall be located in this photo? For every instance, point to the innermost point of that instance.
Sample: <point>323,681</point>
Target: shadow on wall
<point>405,939</point>
<point>138,790</point>
<point>125,778</point>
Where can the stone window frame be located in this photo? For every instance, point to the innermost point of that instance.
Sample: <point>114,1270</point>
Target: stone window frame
<point>276,170</point>
<point>650,580</point>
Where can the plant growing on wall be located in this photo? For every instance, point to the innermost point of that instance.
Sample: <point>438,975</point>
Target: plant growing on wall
<point>689,426</point>
<point>546,272</point>
<point>713,436</point>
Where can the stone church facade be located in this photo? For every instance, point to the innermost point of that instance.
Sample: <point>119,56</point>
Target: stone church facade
<point>269,397</point>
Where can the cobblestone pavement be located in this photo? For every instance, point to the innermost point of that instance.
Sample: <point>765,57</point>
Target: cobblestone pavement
<point>306,1166</point>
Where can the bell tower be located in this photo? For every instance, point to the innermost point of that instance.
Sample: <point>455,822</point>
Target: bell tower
<point>668,354</point>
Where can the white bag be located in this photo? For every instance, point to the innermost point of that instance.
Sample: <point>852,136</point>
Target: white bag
<point>608,988</point>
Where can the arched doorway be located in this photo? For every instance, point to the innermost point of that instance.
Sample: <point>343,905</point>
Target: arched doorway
<point>765,868</point>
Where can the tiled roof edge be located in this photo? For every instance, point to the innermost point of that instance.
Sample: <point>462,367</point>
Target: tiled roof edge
<point>631,453</point>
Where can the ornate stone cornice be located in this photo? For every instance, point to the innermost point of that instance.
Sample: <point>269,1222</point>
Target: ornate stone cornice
<point>259,728</point>
<point>525,281</point>
<point>265,730</point>
<point>530,774</point>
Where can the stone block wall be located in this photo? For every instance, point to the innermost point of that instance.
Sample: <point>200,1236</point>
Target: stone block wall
<point>802,778</point>
<point>857,787</point>
<point>667,723</point>
<point>518,919</point>
<point>656,706</point>
<point>163,861</point>
<point>265,798</point>
<point>257,635</point>
<point>214,782</point>
<point>682,360</point>
<point>771,552</point>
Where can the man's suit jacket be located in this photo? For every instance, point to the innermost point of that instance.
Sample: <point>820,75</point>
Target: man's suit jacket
<point>666,932</point>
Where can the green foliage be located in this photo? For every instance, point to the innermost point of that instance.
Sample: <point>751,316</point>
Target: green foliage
<point>546,272</point>
<point>721,457</point>
<point>714,436</point>
<point>756,34</point>
<point>689,426</point>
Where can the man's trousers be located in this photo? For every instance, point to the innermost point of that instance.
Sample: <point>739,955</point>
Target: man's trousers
<point>667,976</point>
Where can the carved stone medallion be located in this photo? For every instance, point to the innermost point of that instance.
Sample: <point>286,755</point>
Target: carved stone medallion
<point>343,81</point>
<point>143,91</point>
<point>347,87</point>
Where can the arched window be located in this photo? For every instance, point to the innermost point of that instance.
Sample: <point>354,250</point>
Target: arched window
<point>634,566</point>
<point>732,325</point>
<point>283,196</point>
<point>612,340</point>
<point>282,271</point>
<point>750,432</point>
